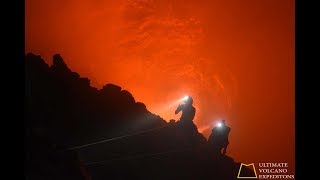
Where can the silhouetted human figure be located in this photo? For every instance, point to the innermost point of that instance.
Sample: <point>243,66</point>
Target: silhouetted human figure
<point>219,138</point>
<point>188,111</point>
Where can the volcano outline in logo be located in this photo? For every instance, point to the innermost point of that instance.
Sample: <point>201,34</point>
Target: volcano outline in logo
<point>254,169</point>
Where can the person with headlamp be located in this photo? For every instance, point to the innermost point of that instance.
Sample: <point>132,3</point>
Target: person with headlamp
<point>219,138</point>
<point>188,111</point>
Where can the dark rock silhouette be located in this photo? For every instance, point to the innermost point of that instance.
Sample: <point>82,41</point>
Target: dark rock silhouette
<point>64,111</point>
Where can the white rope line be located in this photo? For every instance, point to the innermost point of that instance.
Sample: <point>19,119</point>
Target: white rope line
<point>115,138</point>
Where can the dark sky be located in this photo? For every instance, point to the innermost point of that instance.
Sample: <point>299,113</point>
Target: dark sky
<point>235,58</point>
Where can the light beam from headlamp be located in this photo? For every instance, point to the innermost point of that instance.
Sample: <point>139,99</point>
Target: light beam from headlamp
<point>172,105</point>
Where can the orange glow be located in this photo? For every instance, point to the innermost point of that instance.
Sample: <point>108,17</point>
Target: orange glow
<point>235,58</point>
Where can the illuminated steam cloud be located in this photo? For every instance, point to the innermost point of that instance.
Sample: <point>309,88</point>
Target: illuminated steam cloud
<point>149,47</point>
<point>156,41</point>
